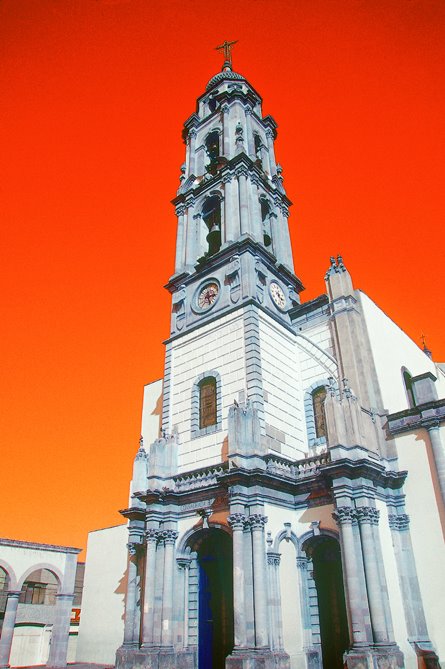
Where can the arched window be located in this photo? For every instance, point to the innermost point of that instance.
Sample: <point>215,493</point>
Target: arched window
<point>258,145</point>
<point>206,414</point>
<point>39,588</point>
<point>408,381</point>
<point>212,145</point>
<point>265,211</point>
<point>211,214</point>
<point>318,400</point>
<point>207,402</point>
<point>4,583</point>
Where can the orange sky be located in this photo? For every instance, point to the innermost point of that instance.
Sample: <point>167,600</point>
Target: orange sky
<point>94,94</point>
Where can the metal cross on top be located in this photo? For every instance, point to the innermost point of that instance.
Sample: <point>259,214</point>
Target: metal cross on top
<point>227,46</point>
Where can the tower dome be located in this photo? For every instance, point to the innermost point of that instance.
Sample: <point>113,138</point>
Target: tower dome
<point>225,74</point>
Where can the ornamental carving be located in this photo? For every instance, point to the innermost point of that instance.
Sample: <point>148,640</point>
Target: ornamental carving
<point>133,549</point>
<point>169,536</point>
<point>302,563</point>
<point>398,522</point>
<point>274,559</point>
<point>151,535</point>
<point>344,514</point>
<point>368,514</point>
<point>236,521</point>
<point>257,521</point>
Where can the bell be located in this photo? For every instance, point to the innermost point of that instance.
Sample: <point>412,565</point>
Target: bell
<point>214,239</point>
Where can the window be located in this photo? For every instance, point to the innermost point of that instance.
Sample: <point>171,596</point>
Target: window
<point>206,414</point>
<point>265,211</point>
<point>211,213</point>
<point>408,381</point>
<point>39,588</point>
<point>207,402</point>
<point>318,400</point>
<point>212,146</point>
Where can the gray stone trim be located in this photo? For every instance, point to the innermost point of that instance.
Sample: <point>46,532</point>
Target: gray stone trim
<point>41,547</point>
<point>398,522</point>
<point>423,415</point>
<point>195,430</point>
<point>166,389</point>
<point>254,373</point>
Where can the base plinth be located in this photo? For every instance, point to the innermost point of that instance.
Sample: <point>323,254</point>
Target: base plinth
<point>150,658</point>
<point>247,658</point>
<point>374,658</point>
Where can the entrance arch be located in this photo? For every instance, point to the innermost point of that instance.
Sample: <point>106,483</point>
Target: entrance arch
<point>213,548</point>
<point>324,552</point>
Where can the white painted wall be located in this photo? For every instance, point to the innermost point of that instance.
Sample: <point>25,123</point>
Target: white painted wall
<point>101,629</point>
<point>392,349</point>
<point>217,346</point>
<point>151,412</point>
<point>427,515</point>
<point>282,385</point>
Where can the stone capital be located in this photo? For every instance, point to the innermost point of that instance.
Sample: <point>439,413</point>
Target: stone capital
<point>151,535</point>
<point>344,515</point>
<point>302,563</point>
<point>180,210</point>
<point>257,521</point>
<point>237,521</point>
<point>133,548</point>
<point>274,559</point>
<point>398,522</point>
<point>368,514</point>
<point>169,536</point>
<point>183,562</point>
<point>241,172</point>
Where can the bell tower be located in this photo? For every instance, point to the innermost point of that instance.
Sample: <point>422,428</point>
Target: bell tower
<point>234,275</point>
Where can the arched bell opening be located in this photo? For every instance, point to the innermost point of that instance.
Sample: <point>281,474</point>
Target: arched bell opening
<point>265,211</point>
<point>324,551</point>
<point>213,549</point>
<point>211,214</point>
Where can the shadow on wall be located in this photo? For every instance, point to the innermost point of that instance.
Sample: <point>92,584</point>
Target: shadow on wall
<point>122,589</point>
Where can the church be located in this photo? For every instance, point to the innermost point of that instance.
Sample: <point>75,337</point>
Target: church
<point>287,502</point>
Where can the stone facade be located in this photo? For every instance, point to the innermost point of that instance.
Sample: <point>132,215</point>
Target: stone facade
<point>276,532</point>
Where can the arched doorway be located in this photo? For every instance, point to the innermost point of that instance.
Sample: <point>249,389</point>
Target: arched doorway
<point>215,601</point>
<point>328,577</point>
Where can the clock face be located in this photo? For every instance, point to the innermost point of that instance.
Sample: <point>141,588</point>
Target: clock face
<point>207,295</point>
<point>277,295</point>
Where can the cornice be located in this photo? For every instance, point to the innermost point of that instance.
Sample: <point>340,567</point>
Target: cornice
<point>16,543</point>
<point>427,415</point>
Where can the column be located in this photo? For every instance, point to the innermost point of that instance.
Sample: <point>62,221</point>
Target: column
<point>169,537</point>
<point>257,523</point>
<point>256,218</point>
<point>236,522</point>
<point>192,152</point>
<point>159,588</point>
<point>345,517</point>
<point>62,614</point>
<point>409,584</point>
<point>191,236</point>
<point>270,146</point>
<point>248,586</point>
<point>231,212</point>
<point>226,131</point>
<point>368,517</point>
<point>302,563</point>
<point>243,201</point>
<point>61,630</point>
<point>184,565</point>
<point>276,631</point>
<point>12,603</point>
<point>250,141</point>
<point>439,454</point>
<point>180,240</point>
<point>149,587</point>
<point>131,638</point>
<point>287,248</point>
